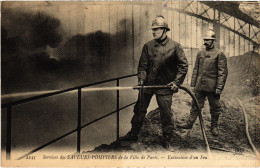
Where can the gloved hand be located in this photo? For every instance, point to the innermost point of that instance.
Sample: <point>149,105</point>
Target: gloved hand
<point>218,91</point>
<point>140,83</point>
<point>174,87</point>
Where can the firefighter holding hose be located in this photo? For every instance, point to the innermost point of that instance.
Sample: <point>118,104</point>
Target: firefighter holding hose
<point>162,62</point>
<point>208,79</point>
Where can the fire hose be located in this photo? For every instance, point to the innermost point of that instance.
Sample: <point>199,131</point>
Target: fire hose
<point>196,103</point>
<point>247,132</point>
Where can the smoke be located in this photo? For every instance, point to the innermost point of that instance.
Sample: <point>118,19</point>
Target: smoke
<point>34,30</point>
<point>88,57</point>
<point>80,47</point>
<point>28,64</point>
<point>25,36</point>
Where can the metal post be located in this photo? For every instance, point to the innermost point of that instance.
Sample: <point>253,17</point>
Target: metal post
<point>117,110</point>
<point>8,134</point>
<point>79,120</point>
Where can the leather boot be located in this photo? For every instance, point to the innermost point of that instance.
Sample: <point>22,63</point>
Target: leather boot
<point>166,140</point>
<point>214,125</point>
<point>166,144</point>
<point>190,122</point>
<point>130,136</point>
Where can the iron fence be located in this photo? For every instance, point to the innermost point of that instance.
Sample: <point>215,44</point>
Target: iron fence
<point>9,106</point>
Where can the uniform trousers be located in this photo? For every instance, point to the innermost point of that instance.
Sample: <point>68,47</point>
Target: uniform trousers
<point>140,109</point>
<point>215,107</point>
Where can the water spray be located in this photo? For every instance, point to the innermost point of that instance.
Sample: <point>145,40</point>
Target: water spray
<point>33,93</point>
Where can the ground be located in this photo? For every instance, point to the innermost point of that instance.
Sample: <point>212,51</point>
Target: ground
<point>242,83</point>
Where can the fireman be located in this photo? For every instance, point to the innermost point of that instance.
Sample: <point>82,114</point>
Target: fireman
<point>208,79</point>
<point>162,62</point>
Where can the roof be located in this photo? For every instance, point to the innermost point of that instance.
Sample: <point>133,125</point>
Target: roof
<point>232,8</point>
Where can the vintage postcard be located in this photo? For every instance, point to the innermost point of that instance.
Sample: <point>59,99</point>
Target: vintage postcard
<point>130,83</point>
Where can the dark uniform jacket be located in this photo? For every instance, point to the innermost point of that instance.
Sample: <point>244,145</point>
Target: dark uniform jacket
<point>210,71</point>
<point>162,63</point>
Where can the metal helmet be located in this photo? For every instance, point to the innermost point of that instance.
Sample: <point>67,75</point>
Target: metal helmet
<point>210,35</point>
<point>160,22</point>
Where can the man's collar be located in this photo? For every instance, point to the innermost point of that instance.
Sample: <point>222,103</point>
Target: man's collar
<point>163,43</point>
<point>211,48</point>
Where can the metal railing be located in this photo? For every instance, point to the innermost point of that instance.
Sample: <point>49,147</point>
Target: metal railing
<point>9,106</point>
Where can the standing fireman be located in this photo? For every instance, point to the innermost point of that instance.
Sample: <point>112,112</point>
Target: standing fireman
<point>208,79</point>
<point>162,62</point>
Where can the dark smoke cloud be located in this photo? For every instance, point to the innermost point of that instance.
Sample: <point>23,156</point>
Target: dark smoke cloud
<point>27,65</point>
<point>25,36</point>
<point>42,61</point>
<point>79,47</point>
<point>98,44</point>
<point>34,30</point>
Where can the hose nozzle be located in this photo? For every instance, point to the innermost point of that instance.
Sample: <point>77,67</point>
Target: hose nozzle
<point>153,87</point>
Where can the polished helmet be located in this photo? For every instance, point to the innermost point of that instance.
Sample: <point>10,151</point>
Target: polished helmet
<point>160,22</point>
<point>210,35</point>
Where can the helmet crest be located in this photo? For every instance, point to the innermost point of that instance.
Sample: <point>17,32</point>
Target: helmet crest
<point>210,35</point>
